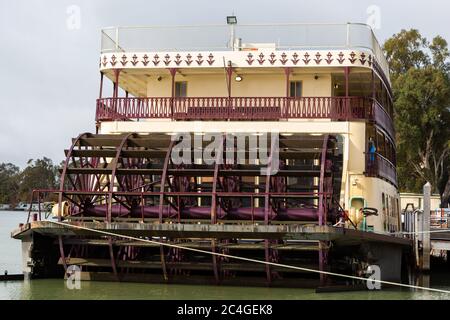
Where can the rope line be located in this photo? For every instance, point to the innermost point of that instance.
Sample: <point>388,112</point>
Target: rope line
<point>250,260</point>
<point>421,232</point>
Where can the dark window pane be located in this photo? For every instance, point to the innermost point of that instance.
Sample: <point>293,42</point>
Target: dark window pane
<point>181,89</point>
<point>296,89</point>
<point>292,91</point>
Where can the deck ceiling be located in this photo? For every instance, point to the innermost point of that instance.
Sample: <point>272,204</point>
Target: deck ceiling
<point>135,81</point>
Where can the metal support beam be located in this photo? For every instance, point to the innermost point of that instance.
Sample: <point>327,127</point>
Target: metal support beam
<point>61,252</point>
<point>287,72</point>
<point>173,72</point>
<point>111,255</point>
<point>161,204</point>
<point>164,178</point>
<point>323,164</point>
<point>323,261</point>
<point>100,95</point>
<point>347,92</point>
<point>230,70</point>
<point>267,258</point>
<point>268,209</point>
<point>116,82</point>
<point>64,174</point>
<point>163,262</point>
<point>374,89</point>
<point>114,164</point>
<point>219,158</point>
<point>347,81</point>
<point>215,262</point>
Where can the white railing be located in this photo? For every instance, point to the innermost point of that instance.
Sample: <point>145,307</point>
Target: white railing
<point>218,38</point>
<point>440,219</point>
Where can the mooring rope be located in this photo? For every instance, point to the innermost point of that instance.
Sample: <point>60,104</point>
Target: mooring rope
<point>420,232</point>
<point>106,233</point>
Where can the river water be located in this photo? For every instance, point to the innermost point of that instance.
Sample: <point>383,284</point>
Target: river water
<point>10,260</point>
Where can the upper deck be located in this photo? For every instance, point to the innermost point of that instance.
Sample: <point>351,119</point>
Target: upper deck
<point>173,76</point>
<point>340,69</point>
<point>242,46</point>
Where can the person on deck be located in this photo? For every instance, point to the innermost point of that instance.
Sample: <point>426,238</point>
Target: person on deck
<point>372,150</point>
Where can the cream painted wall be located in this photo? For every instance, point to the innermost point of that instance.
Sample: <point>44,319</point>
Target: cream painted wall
<point>357,147</point>
<point>417,200</point>
<point>253,85</point>
<point>260,86</point>
<point>371,190</point>
<point>161,88</point>
<point>322,87</point>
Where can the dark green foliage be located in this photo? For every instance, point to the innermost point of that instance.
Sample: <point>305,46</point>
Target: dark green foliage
<point>9,184</point>
<point>39,174</point>
<point>421,85</point>
<point>17,186</point>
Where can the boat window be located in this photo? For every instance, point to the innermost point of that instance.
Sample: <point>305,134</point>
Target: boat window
<point>397,214</point>
<point>296,89</point>
<point>383,205</point>
<point>387,205</point>
<point>181,89</point>
<point>391,206</point>
<point>382,96</point>
<point>381,144</point>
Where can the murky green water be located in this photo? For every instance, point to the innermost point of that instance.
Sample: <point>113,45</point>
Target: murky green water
<point>10,259</point>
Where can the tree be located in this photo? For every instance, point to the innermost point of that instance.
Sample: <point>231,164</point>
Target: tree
<point>39,174</point>
<point>422,118</point>
<point>9,183</point>
<point>421,85</point>
<point>405,50</point>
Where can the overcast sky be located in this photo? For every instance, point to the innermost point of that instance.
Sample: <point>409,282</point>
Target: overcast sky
<point>49,76</point>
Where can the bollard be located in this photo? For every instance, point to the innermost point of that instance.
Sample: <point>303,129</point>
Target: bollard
<point>35,217</point>
<point>426,242</point>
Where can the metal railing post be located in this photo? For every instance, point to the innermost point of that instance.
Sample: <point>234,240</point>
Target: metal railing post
<point>348,35</point>
<point>117,39</point>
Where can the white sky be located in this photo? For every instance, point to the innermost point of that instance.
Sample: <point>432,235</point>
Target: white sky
<point>49,77</point>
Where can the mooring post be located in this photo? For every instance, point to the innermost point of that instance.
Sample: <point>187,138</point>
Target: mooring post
<point>426,242</point>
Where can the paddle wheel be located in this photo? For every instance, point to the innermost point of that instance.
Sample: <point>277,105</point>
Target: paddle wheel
<point>132,177</point>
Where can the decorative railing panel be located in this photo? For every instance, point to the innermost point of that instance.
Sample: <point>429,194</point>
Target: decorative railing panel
<point>245,108</point>
<point>379,166</point>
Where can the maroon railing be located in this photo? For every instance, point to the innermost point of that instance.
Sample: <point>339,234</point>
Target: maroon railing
<point>244,108</point>
<point>382,118</point>
<point>379,166</point>
<point>111,109</point>
<point>228,108</point>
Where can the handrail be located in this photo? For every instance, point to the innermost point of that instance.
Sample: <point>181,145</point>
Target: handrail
<point>285,36</point>
<point>379,166</point>
<point>238,108</point>
<point>382,117</point>
<point>149,194</point>
<point>440,219</point>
